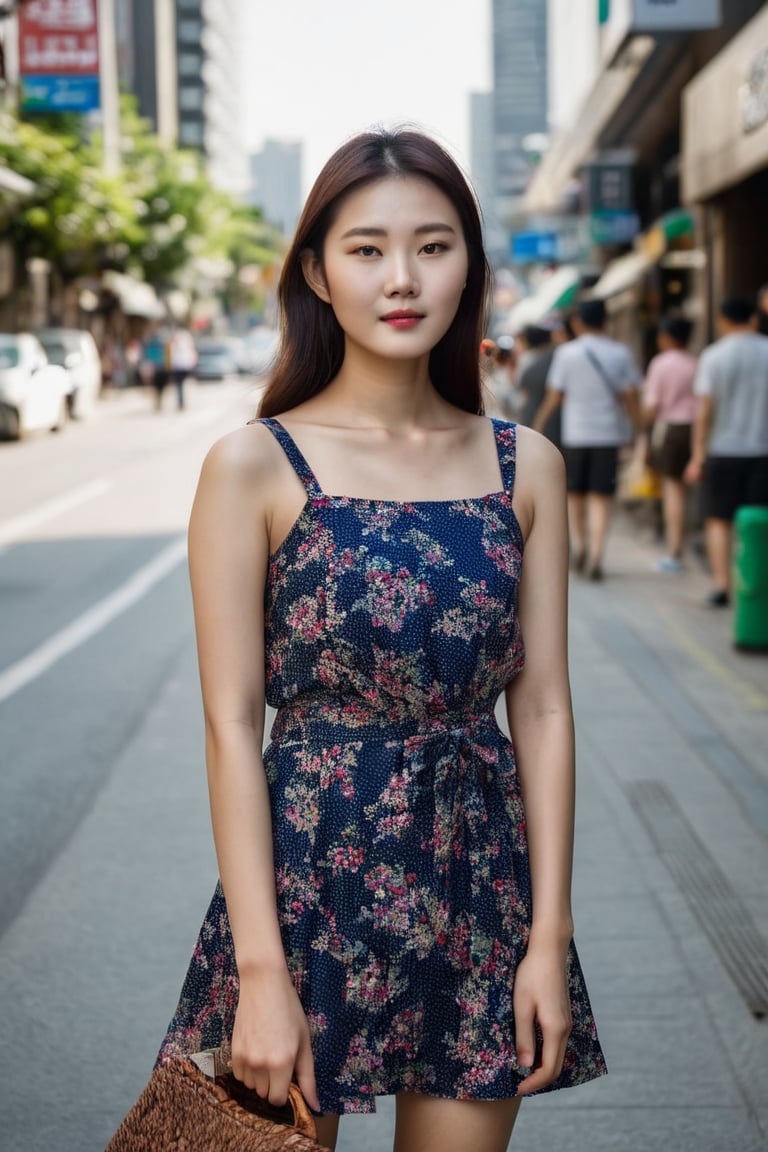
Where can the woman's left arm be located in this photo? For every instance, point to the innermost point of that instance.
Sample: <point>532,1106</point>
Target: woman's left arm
<point>541,725</point>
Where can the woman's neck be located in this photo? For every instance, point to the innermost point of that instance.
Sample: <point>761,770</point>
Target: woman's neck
<point>375,392</point>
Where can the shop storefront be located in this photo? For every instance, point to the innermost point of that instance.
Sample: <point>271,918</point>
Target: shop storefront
<point>660,275</point>
<point>725,163</point>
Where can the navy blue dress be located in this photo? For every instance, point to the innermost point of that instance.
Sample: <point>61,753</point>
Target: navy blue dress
<point>403,885</point>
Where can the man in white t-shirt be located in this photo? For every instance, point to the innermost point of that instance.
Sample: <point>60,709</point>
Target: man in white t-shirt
<point>730,434</point>
<point>596,380</point>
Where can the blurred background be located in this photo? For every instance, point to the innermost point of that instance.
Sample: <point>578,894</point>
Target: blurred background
<point>154,157</point>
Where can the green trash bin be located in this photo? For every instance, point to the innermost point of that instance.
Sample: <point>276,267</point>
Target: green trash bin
<point>750,578</point>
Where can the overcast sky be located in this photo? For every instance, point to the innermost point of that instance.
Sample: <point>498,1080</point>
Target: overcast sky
<point>320,70</point>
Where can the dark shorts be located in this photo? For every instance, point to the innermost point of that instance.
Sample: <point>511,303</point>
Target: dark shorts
<point>591,469</point>
<point>731,482</point>
<point>674,452</point>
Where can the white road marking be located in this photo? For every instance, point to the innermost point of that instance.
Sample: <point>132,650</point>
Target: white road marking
<point>22,525</point>
<point>24,671</point>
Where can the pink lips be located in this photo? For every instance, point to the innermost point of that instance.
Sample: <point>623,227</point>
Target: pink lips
<point>403,319</point>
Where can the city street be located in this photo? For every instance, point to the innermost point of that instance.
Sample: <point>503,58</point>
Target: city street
<point>106,860</point>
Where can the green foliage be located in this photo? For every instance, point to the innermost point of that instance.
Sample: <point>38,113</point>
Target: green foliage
<point>159,214</point>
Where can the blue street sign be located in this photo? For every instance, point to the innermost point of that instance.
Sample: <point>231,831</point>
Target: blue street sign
<point>59,93</point>
<point>532,247</point>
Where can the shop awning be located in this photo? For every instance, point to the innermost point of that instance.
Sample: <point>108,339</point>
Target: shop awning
<point>558,291</point>
<point>15,184</point>
<point>675,230</point>
<point>136,297</point>
<point>621,274</point>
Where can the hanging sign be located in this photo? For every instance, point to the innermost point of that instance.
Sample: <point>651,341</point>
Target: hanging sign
<point>59,55</point>
<point>675,15</point>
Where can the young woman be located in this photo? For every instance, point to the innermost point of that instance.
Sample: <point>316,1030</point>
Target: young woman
<point>394,909</point>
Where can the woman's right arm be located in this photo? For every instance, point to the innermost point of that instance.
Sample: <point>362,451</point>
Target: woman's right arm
<point>228,559</point>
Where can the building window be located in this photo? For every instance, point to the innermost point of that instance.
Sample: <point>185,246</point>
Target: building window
<point>190,64</point>
<point>191,134</point>
<point>190,31</point>
<point>191,98</point>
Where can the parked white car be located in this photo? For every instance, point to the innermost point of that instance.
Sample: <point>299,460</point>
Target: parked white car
<point>33,393</point>
<point>77,352</point>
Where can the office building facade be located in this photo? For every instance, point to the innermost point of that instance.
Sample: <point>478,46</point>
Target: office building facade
<point>520,95</point>
<point>275,183</point>
<point>181,59</point>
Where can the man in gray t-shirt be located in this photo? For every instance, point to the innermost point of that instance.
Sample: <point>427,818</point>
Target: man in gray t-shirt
<point>730,434</point>
<point>596,380</point>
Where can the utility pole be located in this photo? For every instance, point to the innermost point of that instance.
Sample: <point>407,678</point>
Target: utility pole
<point>108,83</point>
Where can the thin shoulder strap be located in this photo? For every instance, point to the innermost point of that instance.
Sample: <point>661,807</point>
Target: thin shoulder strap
<point>506,446</point>
<point>294,454</point>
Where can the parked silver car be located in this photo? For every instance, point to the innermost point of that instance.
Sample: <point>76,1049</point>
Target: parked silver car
<point>215,359</point>
<point>77,352</point>
<point>33,393</point>
<point>262,346</point>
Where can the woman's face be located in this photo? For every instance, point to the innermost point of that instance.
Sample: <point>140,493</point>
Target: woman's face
<point>393,267</point>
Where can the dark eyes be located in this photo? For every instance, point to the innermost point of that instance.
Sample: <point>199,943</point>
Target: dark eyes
<point>433,248</point>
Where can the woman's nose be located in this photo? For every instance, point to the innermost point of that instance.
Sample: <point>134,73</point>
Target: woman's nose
<point>402,280</point>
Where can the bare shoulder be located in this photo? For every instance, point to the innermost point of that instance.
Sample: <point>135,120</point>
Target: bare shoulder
<point>539,477</point>
<point>539,463</point>
<point>241,460</point>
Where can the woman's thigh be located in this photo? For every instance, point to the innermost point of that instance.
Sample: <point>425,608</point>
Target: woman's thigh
<point>430,1124</point>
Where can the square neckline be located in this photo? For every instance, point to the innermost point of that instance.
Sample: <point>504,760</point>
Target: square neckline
<point>321,494</point>
<point>317,498</point>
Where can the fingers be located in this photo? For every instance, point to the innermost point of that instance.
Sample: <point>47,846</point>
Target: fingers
<point>271,1077</point>
<point>305,1075</point>
<point>525,1038</point>
<point>554,1042</point>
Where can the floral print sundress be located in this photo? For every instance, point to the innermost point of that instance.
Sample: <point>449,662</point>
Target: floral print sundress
<point>403,885</point>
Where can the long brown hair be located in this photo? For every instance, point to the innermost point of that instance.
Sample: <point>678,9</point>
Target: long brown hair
<point>312,340</point>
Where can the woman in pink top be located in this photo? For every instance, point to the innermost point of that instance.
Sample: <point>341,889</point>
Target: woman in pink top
<point>668,400</point>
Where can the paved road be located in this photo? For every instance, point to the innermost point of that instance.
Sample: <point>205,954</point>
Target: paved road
<point>105,855</point>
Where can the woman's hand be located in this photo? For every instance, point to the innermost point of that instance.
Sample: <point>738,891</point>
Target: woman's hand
<point>541,998</point>
<point>270,1041</point>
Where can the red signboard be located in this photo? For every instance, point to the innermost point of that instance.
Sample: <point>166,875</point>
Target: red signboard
<point>58,38</point>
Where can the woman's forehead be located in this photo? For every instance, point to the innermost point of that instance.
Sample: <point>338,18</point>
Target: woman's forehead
<point>395,200</point>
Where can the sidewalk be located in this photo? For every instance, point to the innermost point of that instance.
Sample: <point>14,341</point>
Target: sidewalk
<point>670,893</point>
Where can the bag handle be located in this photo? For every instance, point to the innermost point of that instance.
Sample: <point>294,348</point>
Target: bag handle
<point>215,1063</point>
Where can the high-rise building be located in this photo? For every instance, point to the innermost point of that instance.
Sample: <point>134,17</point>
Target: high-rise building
<point>482,170</point>
<point>181,59</point>
<point>520,94</point>
<point>276,183</point>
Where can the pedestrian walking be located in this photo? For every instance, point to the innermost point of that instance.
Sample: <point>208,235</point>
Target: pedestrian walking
<point>669,407</point>
<point>152,365</point>
<point>181,360</point>
<point>730,435</point>
<point>535,364</point>
<point>356,558</point>
<point>596,380</point>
